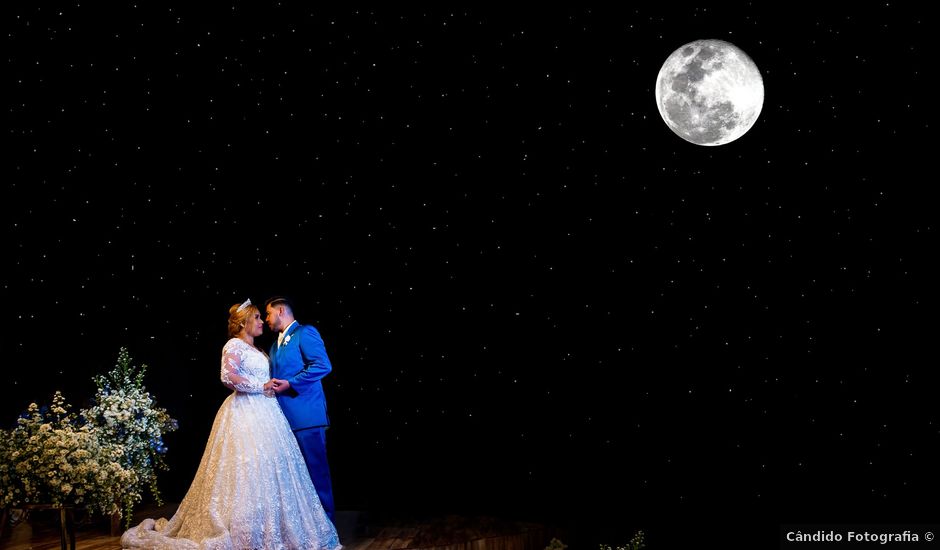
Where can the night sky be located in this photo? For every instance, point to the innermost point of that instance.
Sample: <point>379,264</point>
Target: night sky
<point>539,302</point>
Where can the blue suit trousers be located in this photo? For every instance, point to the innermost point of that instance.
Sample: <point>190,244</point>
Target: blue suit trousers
<point>313,446</point>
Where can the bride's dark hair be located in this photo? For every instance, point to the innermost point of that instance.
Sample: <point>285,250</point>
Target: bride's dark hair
<point>236,318</point>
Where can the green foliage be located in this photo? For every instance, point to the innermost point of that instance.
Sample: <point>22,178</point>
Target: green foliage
<point>123,376</point>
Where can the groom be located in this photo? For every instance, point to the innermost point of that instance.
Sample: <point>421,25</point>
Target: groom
<point>298,362</point>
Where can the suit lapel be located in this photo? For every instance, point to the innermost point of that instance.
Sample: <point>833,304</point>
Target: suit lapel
<point>290,333</point>
<point>283,346</point>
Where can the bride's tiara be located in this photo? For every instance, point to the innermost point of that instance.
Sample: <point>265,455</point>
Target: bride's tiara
<point>245,304</point>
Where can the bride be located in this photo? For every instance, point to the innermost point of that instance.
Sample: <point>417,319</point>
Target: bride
<point>252,489</point>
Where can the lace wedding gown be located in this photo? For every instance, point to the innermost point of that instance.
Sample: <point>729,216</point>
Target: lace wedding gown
<point>252,489</point>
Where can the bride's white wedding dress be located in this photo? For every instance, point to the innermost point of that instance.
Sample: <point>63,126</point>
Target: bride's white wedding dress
<point>252,489</point>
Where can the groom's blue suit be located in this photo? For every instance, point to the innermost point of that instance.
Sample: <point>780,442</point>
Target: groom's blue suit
<point>301,360</point>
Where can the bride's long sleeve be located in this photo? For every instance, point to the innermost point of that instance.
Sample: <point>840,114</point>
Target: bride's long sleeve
<point>231,367</point>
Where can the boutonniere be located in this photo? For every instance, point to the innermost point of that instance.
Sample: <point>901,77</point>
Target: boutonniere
<point>287,339</point>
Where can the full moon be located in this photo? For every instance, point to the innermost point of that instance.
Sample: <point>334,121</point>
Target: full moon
<point>709,92</point>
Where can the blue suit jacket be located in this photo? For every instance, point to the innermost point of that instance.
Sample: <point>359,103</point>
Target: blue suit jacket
<point>302,361</point>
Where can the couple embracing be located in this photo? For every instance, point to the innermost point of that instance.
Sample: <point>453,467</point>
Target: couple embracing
<point>263,481</point>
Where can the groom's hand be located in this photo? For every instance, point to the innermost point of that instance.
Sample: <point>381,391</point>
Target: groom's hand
<point>280,385</point>
<point>269,385</point>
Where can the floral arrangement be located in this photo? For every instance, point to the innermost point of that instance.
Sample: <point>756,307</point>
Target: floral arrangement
<point>125,412</point>
<point>101,458</point>
<point>52,458</point>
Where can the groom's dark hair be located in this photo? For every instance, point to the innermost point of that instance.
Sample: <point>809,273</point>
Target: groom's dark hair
<point>279,301</point>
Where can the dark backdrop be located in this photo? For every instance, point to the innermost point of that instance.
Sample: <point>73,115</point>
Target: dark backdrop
<point>538,301</point>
